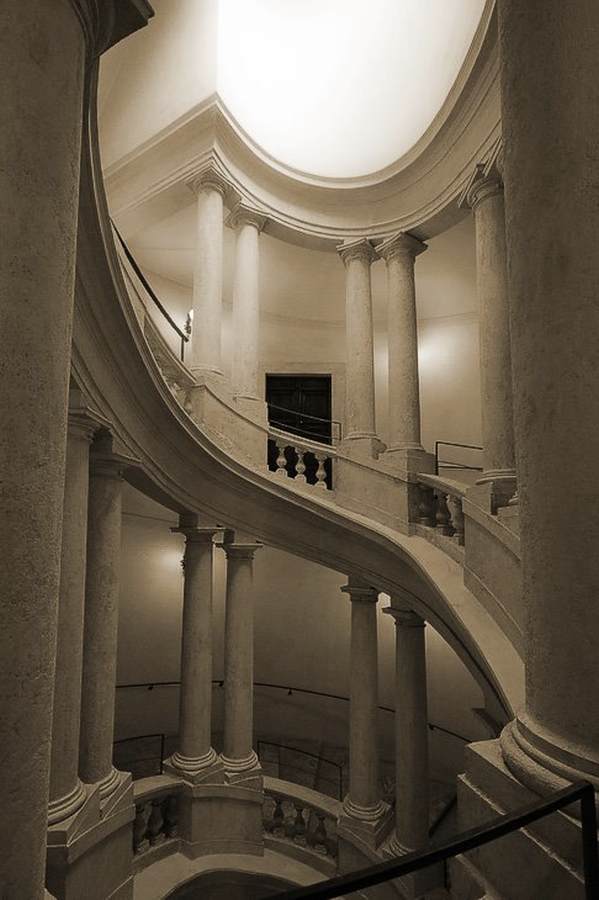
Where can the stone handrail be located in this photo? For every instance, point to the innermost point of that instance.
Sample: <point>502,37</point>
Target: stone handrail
<point>155,829</point>
<point>302,817</point>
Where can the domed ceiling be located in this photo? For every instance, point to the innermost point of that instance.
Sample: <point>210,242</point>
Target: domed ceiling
<point>340,88</point>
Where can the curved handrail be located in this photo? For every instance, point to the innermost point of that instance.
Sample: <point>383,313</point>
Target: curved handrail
<point>582,791</point>
<point>150,685</point>
<point>335,424</point>
<point>149,289</point>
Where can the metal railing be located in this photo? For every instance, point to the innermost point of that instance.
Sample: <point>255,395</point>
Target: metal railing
<point>433,726</point>
<point>184,337</point>
<point>581,791</point>
<point>332,435</point>
<point>447,464</point>
<point>144,759</point>
<point>337,782</point>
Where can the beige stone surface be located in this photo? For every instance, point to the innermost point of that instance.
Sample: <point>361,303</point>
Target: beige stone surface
<point>246,302</point>
<point>42,56</point>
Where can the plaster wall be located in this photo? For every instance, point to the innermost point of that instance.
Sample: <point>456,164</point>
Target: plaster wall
<point>302,640</point>
<point>157,75</point>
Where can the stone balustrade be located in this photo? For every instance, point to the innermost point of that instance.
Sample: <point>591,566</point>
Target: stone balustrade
<point>301,817</point>
<point>307,462</point>
<point>440,514</point>
<point>156,824</point>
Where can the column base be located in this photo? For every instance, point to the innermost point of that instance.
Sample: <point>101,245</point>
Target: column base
<point>64,807</point>
<point>243,771</point>
<point>91,853</point>
<point>369,824</point>
<point>417,884</point>
<point>109,783</point>
<point>362,445</point>
<point>206,769</point>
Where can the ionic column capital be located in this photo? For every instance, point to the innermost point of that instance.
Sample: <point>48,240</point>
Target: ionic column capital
<point>241,551</point>
<point>360,591</point>
<point>484,183</point>
<point>244,214</point>
<point>194,532</point>
<point>401,245</point>
<point>361,249</point>
<point>208,179</point>
<point>405,618</point>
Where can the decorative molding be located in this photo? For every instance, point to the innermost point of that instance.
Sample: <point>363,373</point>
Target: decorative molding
<point>359,249</point>
<point>400,244</point>
<point>209,177</point>
<point>242,214</point>
<point>485,180</point>
<point>359,590</point>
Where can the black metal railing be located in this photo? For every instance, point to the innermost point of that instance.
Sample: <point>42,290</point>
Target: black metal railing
<point>335,784</point>
<point>581,791</point>
<point>150,685</point>
<point>448,464</point>
<point>312,428</point>
<point>183,336</point>
<point>139,766</point>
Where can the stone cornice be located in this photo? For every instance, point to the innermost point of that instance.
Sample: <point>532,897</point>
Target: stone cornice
<point>485,180</point>
<point>361,249</point>
<point>405,618</point>
<point>417,194</point>
<point>400,244</point>
<point>243,214</point>
<point>209,178</point>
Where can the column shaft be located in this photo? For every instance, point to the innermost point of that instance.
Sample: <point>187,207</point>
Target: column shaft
<point>208,276</point>
<point>195,753</point>
<point>246,302</point>
<point>411,733</point>
<point>486,198</point>
<point>238,753</point>
<point>363,800</point>
<point>66,791</point>
<point>551,135</point>
<point>359,388</point>
<point>400,252</point>
<point>42,61</point>
<point>101,624</point>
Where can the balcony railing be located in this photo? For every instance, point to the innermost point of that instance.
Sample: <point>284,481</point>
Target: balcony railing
<point>363,879</point>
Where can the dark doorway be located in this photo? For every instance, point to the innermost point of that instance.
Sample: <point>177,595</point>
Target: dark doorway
<point>300,404</point>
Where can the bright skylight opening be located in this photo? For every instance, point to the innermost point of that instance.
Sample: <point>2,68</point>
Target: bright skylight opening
<point>340,87</point>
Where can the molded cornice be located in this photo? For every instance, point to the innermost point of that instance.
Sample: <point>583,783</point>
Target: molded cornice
<point>418,193</point>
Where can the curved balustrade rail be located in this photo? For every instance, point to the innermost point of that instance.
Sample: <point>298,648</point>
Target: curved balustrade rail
<point>300,816</point>
<point>581,791</point>
<point>307,462</point>
<point>156,818</point>
<point>183,336</point>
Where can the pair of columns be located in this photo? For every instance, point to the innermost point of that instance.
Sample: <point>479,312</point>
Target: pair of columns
<point>363,802</point>
<point>399,253</point>
<point>205,359</point>
<point>196,760</point>
<point>86,648</point>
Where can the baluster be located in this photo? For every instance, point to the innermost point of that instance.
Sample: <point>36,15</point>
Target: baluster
<point>300,466</point>
<point>320,471</point>
<point>457,518</point>
<point>155,823</point>
<point>318,838</point>
<point>299,825</point>
<point>442,517</point>
<point>281,460</point>
<point>426,512</point>
<point>278,816</point>
<point>140,827</point>
<point>170,813</point>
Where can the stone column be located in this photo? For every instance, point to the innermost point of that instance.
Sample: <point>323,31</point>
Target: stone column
<point>195,760</point>
<point>485,197</point>
<point>205,356</point>
<point>246,301</point>
<point>42,64</point>
<point>399,253</point>
<point>551,134</point>
<point>357,257</point>
<point>363,801</point>
<point>101,623</point>
<point>411,733</point>
<point>239,757</point>
<point>66,791</point>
